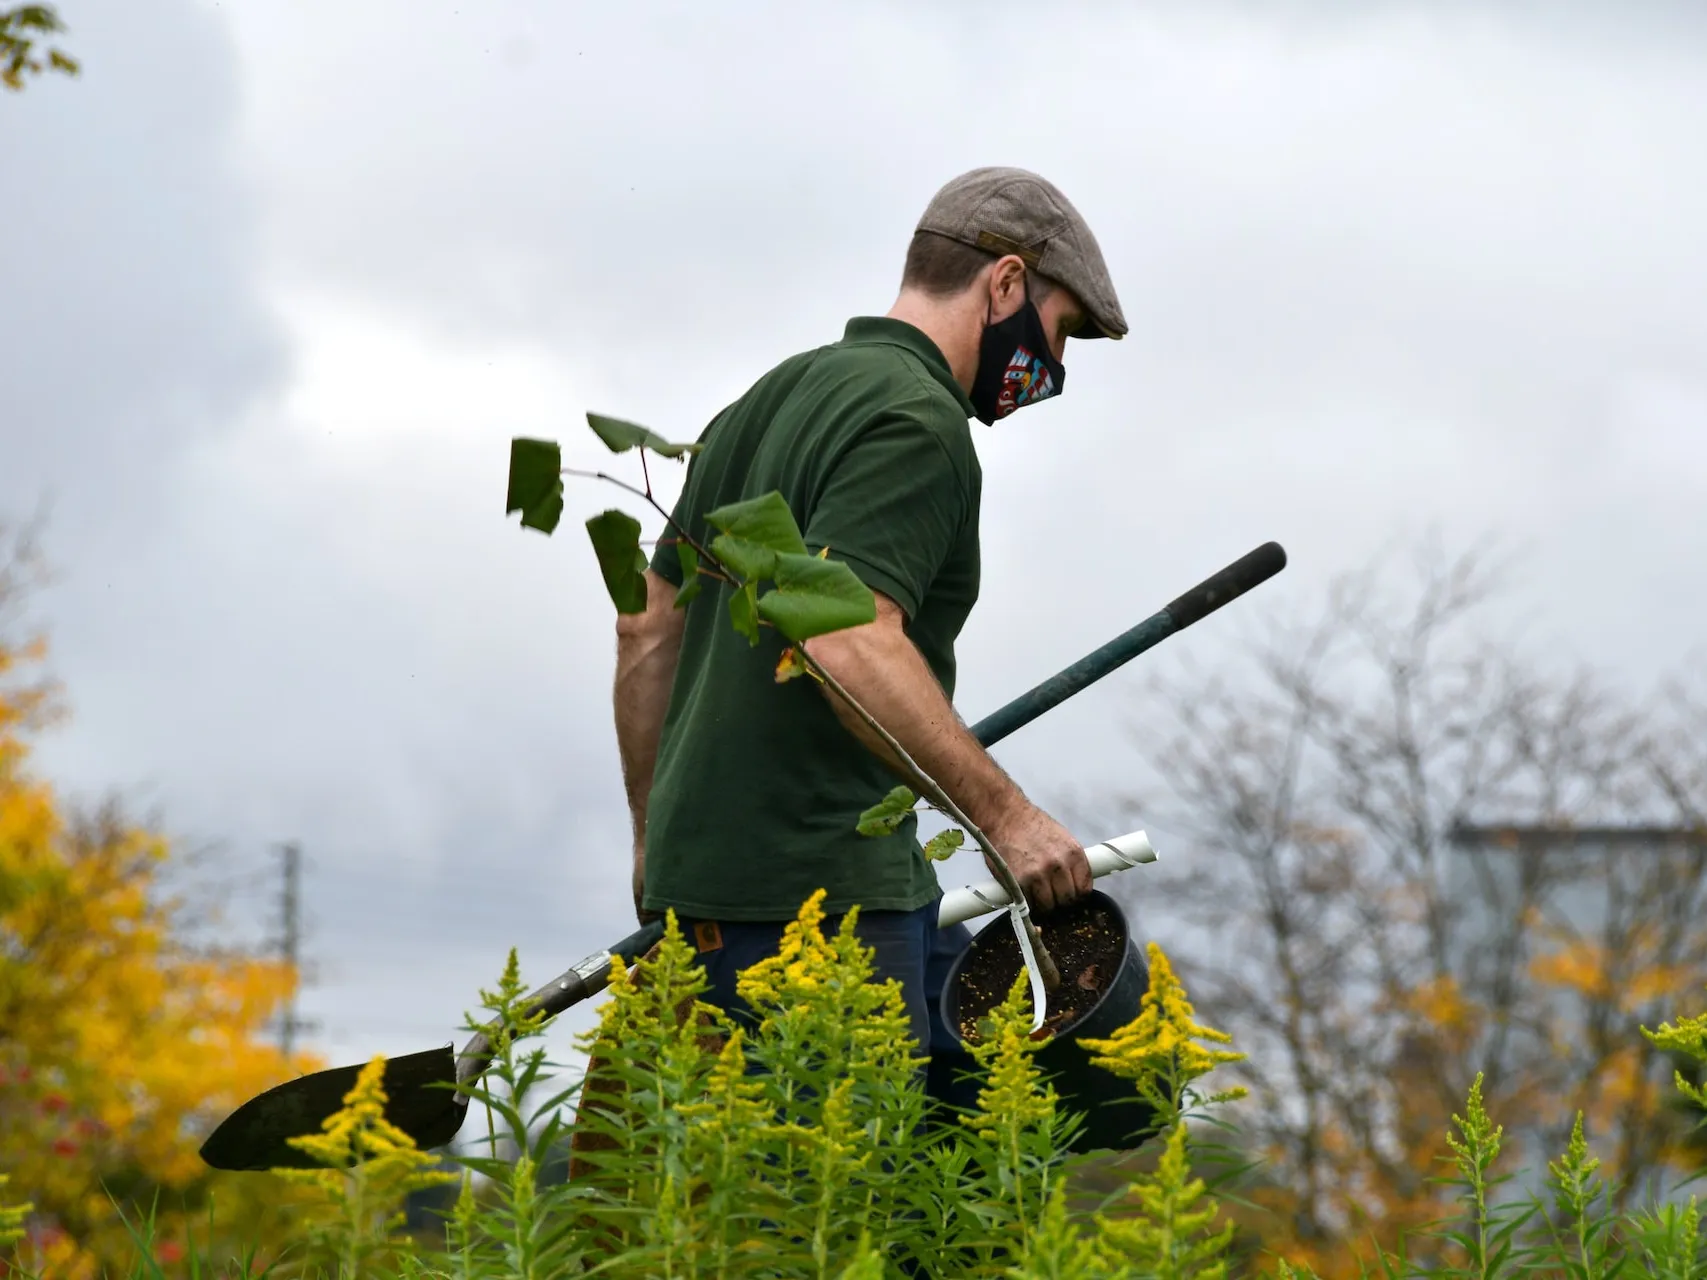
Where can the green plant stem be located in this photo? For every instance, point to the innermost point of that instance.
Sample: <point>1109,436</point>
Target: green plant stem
<point>941,799</point>
<point>926,784</point>
<point>719,573</point>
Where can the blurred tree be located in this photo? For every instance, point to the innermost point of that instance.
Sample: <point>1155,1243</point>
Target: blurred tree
<point>119,1046</point>
<point>1373,950</point>
<point>21,32</point>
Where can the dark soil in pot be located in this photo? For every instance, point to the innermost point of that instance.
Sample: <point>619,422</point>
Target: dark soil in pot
<point>1087,941</point>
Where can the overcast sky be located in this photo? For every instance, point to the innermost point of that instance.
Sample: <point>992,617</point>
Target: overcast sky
<point>285,278</point>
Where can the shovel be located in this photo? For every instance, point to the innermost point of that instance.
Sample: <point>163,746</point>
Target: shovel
<point>422,1100</point>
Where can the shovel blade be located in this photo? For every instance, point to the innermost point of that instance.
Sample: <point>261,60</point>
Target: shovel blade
<point>420,1100</point>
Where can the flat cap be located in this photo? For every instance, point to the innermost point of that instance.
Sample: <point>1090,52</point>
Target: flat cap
<point>1014,211</point>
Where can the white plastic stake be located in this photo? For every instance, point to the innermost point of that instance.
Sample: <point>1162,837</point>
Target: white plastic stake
<point>1039,993</point>
<point>974,900</point>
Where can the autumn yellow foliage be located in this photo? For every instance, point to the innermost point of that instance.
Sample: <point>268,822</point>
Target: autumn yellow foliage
<point>119,1047</point>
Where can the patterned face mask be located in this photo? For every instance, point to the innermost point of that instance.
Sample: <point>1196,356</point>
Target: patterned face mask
<point>1015,366</point>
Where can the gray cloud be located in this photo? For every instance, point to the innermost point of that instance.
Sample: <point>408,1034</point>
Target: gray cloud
<point>135,324</point>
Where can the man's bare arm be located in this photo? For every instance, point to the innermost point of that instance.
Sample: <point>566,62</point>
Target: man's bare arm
<point>882,668</point>
<point>647,647</point>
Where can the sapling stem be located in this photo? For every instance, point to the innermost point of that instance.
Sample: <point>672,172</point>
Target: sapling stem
<point>926,784</point>
<point>943,801</point>
<point>620,483</point>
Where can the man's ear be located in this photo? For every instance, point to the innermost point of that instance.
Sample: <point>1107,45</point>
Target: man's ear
<point>1007,286</point>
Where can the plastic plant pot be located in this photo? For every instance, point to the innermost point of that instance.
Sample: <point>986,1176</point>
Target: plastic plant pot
<point>1115,1118</point>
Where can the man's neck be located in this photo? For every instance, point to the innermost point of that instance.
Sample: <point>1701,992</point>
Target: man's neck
<point>952,325</point>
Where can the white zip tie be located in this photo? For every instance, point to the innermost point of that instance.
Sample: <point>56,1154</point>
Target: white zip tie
<point>1018,913</point>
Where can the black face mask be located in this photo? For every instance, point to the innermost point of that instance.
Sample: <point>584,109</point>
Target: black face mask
<point>1015,366</point>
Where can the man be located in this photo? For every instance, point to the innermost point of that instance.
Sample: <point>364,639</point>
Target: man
<point>745,793</point>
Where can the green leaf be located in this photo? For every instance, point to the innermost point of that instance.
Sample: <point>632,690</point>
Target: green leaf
<point>536,483</point>
<point>620,436</point>
<point>746,560</point>
<point>744,612</point>
<point>943,844</point>
<point>754,533</point>
<point>689,560</point>
<point>886,816</point>
<point>765,520</point>
<point>814,597</point>
<point>616,539</point>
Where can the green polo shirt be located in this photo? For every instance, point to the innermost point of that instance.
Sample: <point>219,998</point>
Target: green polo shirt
<point>758,785</point>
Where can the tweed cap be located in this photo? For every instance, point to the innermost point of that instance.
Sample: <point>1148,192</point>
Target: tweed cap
<point>1014,211</point>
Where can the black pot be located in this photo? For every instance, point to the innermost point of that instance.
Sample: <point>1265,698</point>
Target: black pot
<point>1115,1118</point>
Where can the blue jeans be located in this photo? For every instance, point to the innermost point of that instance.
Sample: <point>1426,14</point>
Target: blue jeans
<point>907,947</point>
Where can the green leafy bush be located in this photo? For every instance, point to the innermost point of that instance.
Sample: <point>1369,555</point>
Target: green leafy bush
<point>806,1146</point>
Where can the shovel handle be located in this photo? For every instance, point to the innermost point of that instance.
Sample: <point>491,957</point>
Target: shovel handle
<point>568,988</point>
<point>1250,570</point>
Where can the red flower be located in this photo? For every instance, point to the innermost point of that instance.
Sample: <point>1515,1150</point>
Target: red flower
<point>64,1147</point>
<point>54,1103</point>
<point>169,1251</point>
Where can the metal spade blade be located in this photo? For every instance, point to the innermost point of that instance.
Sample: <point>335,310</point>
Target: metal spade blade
<point>420,1100</point>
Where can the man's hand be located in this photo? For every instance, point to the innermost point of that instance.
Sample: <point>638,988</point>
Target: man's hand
<point>1048,862</point>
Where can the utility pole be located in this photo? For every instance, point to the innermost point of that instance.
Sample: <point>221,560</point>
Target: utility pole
<point>290,945</point>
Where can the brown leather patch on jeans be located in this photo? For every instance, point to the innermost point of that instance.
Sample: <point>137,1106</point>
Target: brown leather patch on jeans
<point>707,936</point>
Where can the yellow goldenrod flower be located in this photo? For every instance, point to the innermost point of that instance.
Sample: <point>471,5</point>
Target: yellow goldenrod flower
<point>656,1006</point>
<point>360,1133</point>
<point>1161,1042</point>
<point>1170,1234</point>
<point>797,962</point>
<point>732,1102</point>
<point>1014,1095</point>
<point>370,1166</point>
<point>814,981</point>
<point>1688,1037</point>
<point>1059,1250</point>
